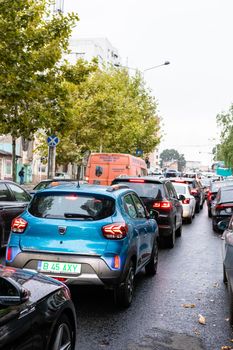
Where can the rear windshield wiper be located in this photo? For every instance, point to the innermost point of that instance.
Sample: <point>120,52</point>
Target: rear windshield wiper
<point>76,215</point>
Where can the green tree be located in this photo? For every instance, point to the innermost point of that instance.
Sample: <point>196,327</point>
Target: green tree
<point>224,150</point>
<point>170,155</point>
<point>111,112</point>
<point>31,47</point>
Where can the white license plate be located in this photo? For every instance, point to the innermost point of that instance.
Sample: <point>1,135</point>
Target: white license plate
<point>59,267</point>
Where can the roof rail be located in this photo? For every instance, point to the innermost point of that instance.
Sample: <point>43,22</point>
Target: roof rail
<point>116,187</point>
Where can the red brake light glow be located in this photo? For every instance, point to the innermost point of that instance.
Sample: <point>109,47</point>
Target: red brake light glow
<point>9,253</point>
<point>72,197</point>
<point>18,225</point>
<point>137,180</point>
<point>115,231</point>
<point>194,192</point>
<point>163,205</point>
<point>186,201</point>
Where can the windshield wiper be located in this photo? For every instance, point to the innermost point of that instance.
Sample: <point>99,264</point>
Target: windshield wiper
<point>76,215</point>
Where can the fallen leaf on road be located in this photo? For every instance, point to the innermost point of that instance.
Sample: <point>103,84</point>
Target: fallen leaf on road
<point>190,306</point>
<point>227,319</point>
<point>216,285</point>
<point>196,332</point>
<point>201,319</point>
<point>231,340</point>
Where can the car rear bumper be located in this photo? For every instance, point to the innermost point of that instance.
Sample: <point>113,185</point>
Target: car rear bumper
<point>94,269</point>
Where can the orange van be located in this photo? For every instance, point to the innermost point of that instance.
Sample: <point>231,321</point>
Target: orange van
<point>102,168</point>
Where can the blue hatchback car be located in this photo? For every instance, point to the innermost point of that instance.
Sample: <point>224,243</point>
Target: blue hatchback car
<point>86,235</point>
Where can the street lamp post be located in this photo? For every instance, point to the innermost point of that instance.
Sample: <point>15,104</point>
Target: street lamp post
<point>144,70</point>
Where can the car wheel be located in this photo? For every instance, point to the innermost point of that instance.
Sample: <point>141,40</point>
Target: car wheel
<point>230,304</point>
<point>190,220</point>
<point>197,209</point>
<point>151,267</point>
<point>209,213</point>
<point>124,292</point>
<point>63,335</point>
<point>214,226</point>
<point>179,231</point>
<point>170,240</point>
<point>224,275</point>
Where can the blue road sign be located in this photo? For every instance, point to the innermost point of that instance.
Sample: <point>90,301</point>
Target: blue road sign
<point>52,140</point>
<point>139,152</point>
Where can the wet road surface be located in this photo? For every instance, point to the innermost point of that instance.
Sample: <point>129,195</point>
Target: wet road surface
<point>190,273</point>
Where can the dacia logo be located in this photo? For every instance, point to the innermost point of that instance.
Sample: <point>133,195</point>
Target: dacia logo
<point>62,230</point>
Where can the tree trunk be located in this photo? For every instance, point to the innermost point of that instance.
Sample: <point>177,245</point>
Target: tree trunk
<point>14,163</point>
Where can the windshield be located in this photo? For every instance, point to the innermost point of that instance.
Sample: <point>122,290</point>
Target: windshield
<point>71,206</point>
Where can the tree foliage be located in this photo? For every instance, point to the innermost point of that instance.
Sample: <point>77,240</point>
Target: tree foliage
<point>173,155</point>
<point>224,150</point>
<point>31,46</point>
<point>111,112</point>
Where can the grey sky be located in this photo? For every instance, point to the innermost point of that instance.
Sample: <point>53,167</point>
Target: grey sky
<point>195,36</point>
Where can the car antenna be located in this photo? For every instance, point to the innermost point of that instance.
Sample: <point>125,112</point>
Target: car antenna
<point>78,176</point>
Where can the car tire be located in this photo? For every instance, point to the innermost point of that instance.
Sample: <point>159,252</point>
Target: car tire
<point>151,267</point>
<point>179,231</point>
<point>197,209</point>
<point>224,275</point>
<point>209,213</point>
<point>230,304</point>
<point>214,226</point>
<point>169,241</point>
<point>124,293</point>
<point>190,220</point>
<point>62,337</point>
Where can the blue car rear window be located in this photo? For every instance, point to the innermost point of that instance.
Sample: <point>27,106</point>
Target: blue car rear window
<point>71,206</point>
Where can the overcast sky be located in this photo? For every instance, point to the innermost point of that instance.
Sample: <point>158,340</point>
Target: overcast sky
<point>195,36</point>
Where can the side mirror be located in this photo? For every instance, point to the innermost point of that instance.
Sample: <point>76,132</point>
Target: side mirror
<point>223,225</point>
<point>181,197</point>
<point>154,214</point>
<point>11,293</point>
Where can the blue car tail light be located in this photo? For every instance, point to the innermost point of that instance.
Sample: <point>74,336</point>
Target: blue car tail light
<point>114,262</point>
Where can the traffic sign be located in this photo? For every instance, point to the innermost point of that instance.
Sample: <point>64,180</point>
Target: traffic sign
<point>139,152</point>
<point>52,140</point>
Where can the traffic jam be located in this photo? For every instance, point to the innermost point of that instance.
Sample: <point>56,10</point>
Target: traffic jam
<point>104,231</point>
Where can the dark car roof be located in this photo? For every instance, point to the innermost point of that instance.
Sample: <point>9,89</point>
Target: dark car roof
<point>38,284</point>
<point>90,189</point>
<point>145,178</point>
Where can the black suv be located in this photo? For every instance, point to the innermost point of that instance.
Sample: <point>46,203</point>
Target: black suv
<point>160,195</point>
<point>214,187</point>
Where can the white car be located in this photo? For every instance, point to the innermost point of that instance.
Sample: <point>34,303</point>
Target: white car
<point>189,203</point>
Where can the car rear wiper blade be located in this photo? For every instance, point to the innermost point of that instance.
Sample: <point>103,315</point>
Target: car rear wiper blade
<point>76,215</point>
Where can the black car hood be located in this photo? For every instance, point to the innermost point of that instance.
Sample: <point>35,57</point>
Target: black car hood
<point>37,284</point>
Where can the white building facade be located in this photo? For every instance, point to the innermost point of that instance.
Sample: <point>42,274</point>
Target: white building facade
<point>87,49</point>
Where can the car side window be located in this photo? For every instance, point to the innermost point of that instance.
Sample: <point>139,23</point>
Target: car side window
<point>129,207</point>
<point>139,206</point>
<point>169,190</point>
<point>19,193</point>
<point>5,194</point>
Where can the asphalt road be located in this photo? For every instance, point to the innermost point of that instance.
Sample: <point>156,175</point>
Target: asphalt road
<point>190,273</point>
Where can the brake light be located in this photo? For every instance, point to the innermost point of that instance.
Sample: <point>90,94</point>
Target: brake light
<point>209,195</point>
<point>18,225</point>
<point>115,231</point>
<point>186,201</point>
<point>61,279</point>
<point>193,192</point>
<point>137,180</point>
<point>162,205</point>
<point>223,206</point>
<point>9,254</point>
